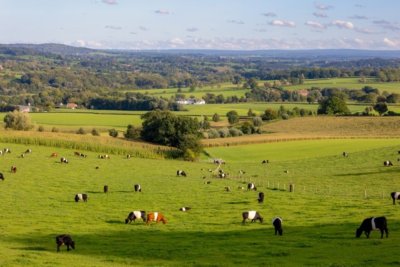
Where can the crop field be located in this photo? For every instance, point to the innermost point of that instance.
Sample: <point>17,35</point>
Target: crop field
<point>332,195</point>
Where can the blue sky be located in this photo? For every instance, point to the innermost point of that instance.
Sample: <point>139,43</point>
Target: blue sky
<point>203,24</point>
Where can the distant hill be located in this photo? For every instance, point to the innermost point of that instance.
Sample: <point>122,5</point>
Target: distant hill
<point>311,54</point>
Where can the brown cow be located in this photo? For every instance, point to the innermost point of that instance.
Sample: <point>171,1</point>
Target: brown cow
<point>155,217</point>
<point>64,240</point>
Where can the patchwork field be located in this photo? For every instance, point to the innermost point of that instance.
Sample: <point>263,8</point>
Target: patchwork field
<point>332,195</point>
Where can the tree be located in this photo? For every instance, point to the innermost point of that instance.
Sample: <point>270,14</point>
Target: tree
<point>250,113</point>
<point>17,120</point>
<point>233,116</point>
<point>113,133</point>
<point>269,115</point>
<point>95,132</point>
<point>165,128</point>
<point>132,132</point>
<point>81,131</point>
<point>333,105</point>
<point>381,108</point>
<point>215,117</point>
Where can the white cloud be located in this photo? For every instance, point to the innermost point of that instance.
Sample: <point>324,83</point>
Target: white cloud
<point>176,42</point>
<point>162,12</point>
<point>343,24</point>
<point>110,2</point>
<point>391,43</point>
<point>315,25</point>
<point>320,15</point>
<point>322,6</point>
<point>282,23</point>
<point>269,14</point>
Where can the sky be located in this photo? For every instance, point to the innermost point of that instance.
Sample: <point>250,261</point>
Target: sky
<point>203,24</point>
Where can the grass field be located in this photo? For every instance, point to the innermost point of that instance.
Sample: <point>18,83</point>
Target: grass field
<point>332,196</point>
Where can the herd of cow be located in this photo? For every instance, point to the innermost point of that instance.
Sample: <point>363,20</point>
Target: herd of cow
<point>368,225</point>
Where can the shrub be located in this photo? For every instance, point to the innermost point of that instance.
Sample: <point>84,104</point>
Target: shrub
<point>40,128</point>
<point>113,133</point>
<point>213,133</point>
<point>55,130</point>
<point>81,131</point>
<point>17,120</point>
<point>257,121</point>
<point>95,132</point>
<point>232,116</point>
<point>215,117</point>
<point>235,132</point>
<point>223,132</point>
<point>132,132</point>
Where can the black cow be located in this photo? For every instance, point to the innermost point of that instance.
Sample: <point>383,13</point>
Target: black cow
<point>65,240</point>
<point>345,154</point>
<point>28,151</point>
<point>105,189</point>
<point>251,215</point>
<point>387,163</point>
<point>83,197</point>
<point>1,176</point>
<point>395,195</point>
<point>265,161</point>
<point>277,223</point>
<point>185,208</point>
<point>251,186</point>
<point>370,224</point>
<point>260,197</point>
<point>138,188</point>
<point>180,173</point>
<point>133,215</point>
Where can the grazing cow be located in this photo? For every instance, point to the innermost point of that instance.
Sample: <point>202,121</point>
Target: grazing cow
<point>155,217</point>
<point>387,163</point>
<point>251,186</point>
<point>79,197</point>
<point>105,156</point>
<point>227,188</point>
<point>395,195</point>
<point>22,155</point>
<point>180,173</point>
<point>265,161</point>
<point>219,161</point>
<point>1,152</point>
<point>345,154</point>
<point>63,160</point>
<point>105,189</point>
<point>260,197</point>
<point>207,182</point>
<point>13,169</point>
<point>6,150</point>
<point>277,223</point>
<point>222,175</point>
<point>54,155</point>
<point>76,153</point>
<point>83,155</point>
<point>373,223</point>
<point>1,176</point>
<point>128,156</point>
<point>28,151</point>
<point>138,188</point>
<point>133,215</point>
<point>185,208</point>
<point>251,215</point>
<point>64,240</point>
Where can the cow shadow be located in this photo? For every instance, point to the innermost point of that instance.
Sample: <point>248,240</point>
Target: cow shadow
<point>388,170</point>
<point>238,202</point>
<point>115,222</point>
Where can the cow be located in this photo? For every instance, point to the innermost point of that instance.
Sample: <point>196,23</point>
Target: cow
<point>227,188</point>
<point>63,160</point>
<point>345,154</point>
<point>265,161</point>
<point>6,150</point>
<point>54,155</point>
<point>76,153</point>
<point>105,188</point>
<point>1,176</point>
<point>13,169</point>
<point>28,151</point>
<point>260,197</point>
<point>155,217</point>
<point>251,215</point>
<point>251,186</point>
<point>64,240</point>
<point>105,156</point>
<point>128,156</point>
<point>180,173</point>
<point>222,175</point>
<point>138,188</point>
<point>219,161</point>
<point>387,163</point>
<point>373,223</point>
<point>22,155</point>
<point>277,223</point>
<point>133,215</point>
<point>185,208</point>
<point>395,195</point>
<point>79,197</point>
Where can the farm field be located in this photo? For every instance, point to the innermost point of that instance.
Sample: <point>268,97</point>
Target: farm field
<point>332,195</point>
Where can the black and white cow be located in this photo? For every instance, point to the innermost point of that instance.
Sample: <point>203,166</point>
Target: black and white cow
<point>63,160</point>
<point>265,161</point>
<point>79,197</point>
<point>138,188</point>
<point>345,154</point>
<point>1,176</point>
<point>387,163</point>
<point>373,223</point>
<point>133,215</point>
<point>65,240</point>
<point>395,195</point>
<point>28,151</point>
<point>185,208</point>
<point>260,197</point>
<point>251,186</point>
<point>277,223</point>
<point>180,173</point>
<point>251,215</point>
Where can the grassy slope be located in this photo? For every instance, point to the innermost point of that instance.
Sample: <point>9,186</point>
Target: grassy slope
<point>319,218</point>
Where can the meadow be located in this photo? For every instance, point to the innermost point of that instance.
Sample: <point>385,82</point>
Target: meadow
<point>332,195</point>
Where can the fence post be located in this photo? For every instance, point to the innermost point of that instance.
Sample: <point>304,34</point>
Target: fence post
<point>291,188</point>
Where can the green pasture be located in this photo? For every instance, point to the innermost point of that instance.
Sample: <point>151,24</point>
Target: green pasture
<point>332,196</point>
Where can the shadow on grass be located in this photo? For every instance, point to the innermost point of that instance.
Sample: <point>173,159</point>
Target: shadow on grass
<point>238,202</point>
<point>387,170</point>
<point>158,244</point>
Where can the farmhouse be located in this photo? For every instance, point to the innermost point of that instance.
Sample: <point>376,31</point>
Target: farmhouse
<point>191,101</point>
<point>71,105</point>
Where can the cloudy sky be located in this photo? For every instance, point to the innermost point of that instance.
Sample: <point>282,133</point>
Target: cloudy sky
<point>203,24</point>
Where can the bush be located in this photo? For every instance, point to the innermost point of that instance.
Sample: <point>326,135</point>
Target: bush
<point>132,132</point>
<point>40,128</point>
<point>215,117</point>
<point>113,133</point>
<point>95,132</point>
<point>247,128</point>
<point>269,115</point>
<point>223,132</point>
<point>233,117</point>
<point>17,120</point>
<point>235,132</point>
<point>213,133</point>
<point>257,121</point>
<point>55,130</point>
<point>81,131</point>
